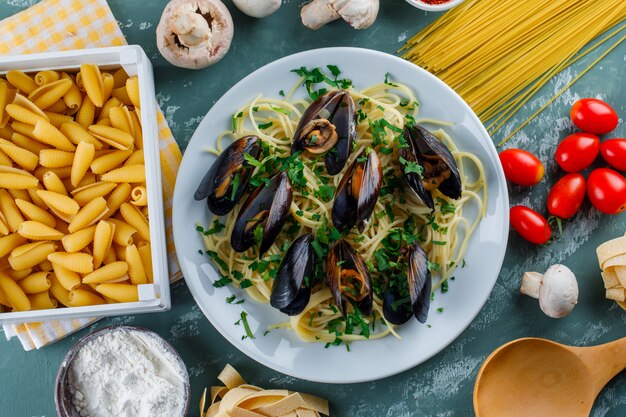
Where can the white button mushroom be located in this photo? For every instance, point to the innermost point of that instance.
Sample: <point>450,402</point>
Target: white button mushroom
<point>258,8</point>
<point>556,289</point>
<point>360,14</point>
<point>194,33</point>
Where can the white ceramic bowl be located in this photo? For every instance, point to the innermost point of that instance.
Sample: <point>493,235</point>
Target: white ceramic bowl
<point>434,7</point>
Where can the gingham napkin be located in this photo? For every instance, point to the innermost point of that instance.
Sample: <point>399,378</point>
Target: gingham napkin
<point>54,25</point>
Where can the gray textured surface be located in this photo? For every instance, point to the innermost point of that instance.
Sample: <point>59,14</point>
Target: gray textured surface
<point>440,387</point>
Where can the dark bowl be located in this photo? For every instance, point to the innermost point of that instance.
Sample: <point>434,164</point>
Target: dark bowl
<point>62,393</point>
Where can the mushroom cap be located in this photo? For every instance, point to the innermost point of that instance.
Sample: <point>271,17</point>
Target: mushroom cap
<point>360,14</point>
<point>258,8</point>
<point>558,293</point>
<point>210,50</point>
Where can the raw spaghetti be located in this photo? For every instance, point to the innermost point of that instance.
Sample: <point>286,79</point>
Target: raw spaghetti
<point>382,110</point>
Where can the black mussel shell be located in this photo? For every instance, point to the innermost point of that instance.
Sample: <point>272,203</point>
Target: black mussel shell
<point>217,184</point>
<point>266,206</point>
<point>439,168</point>
<point>348,278</point>
<point>396,309</point>
<point>291,291</point>
<point>331,118</point>
<point>357,193</point>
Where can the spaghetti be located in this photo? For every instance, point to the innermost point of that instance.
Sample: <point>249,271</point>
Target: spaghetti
<point>383,110</point>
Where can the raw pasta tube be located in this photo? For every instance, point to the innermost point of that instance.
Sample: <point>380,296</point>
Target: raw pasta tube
<point>102,240</point>
<point>13,180</point>
<point>105,163</point>
<point>10,242</point>
<point>120,119</point>
<point>139,195</point>
<point>59,202</point>
<point>4,227</point>
<point>62,172</point>
<point>27,143</point>
<point>107,85</point>
<point>46,133</point>
<point>20,156</point>
<point>58,107</point>
<point>132,87</point>
<point>10,211</point>
<point>76,133</point>
<point>87,193</point>
<point>35,283</point>
<point>110,257</point>
<point>18,275</point>
<point>121,94</point>
<point>48,94</point>
<point>136,272</point>
<point>119,195</point>
<point>124,232</point>
<point>76,241</point>
<point>21,194</point>
<point>107,273</point>
<point>82,159</point>
<point>124,293</point>
<point>54,158</point>
<point>57,119</point>
<point>114,137</point>
<point>81,298</point>
<point>33,212</point>
<point>137,129</point>
<point>128,173</point>
<point>92,83</point>
<point>42,301</point>
<point>38,231</point>
<point>30,254</point>
<point>136,158</point>
<point>136,219</point>
<point>69,280</point>
<point>145,254</point>
<point>73,98</point>
<point>14,294</point>
<point>58,291</point>
<point>89,214</point>
<point>106,109</point>
<point>45,265</point>
<point>47,76</point>
<point>119,78</point>
<point>78,262</point>
<point>86,114</point>
<point>53,183</point>
<point>21,81</point>
<point>22,114</point>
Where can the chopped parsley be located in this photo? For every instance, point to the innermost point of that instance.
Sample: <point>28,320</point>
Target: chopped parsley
<point>316,76</point>
<point>445,207</point>
<point>267,125</point>
<point>246,326</point>
<point>411,167</point>
<point>258,234</point>
<point>215,228</point>
<point>235,184</point>
<point>222,282</point>
<point>325,192</point>
<point>246,283</point>
<point>387,78</point>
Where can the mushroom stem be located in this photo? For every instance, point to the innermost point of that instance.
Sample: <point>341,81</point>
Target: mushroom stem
<point>318,13</point>
<point>192,29</point>
<point>531,282</point>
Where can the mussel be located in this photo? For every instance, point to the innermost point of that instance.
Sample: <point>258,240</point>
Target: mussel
<point>328,127</point>
<point>291,289</point>
<point>357,192</point>
<point>226,180</point>
<point>439,170</point>
<point>265,209</point>
<point>348,278</point>
<point>408,291</point>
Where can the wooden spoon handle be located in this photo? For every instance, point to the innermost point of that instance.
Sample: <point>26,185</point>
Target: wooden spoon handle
<point>604,361</point>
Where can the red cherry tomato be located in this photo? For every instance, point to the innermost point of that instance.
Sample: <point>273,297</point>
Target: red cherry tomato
<point>607,190</point>
<point>566,196</point>
<point>521,167</point>
<point>614,152</point>
<point>594,116</point>
<point>577,151</point>
<point>531,225</point>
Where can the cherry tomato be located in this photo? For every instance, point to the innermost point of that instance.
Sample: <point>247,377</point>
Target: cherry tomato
<point>521,167</point>
<point>566,196</point>
<point>607,190</point>
<point>531,225</point>
<point>614,152</point>
<point>577,151</point>
<point>594,116</point>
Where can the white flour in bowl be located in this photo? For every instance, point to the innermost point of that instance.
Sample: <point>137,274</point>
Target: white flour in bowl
<point>126,373</point>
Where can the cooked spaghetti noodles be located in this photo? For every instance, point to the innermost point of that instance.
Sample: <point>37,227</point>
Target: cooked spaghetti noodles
<point>382,110</point>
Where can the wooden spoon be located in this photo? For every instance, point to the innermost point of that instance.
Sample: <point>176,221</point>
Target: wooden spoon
<point>540,378</point>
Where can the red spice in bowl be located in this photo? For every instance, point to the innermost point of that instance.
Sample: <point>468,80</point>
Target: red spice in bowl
<point>434,1</point>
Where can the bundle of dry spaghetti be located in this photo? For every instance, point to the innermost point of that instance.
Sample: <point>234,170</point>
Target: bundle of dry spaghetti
<point>497,53</point>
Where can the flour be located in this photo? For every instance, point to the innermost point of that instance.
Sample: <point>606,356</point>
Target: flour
<point>126,373</point>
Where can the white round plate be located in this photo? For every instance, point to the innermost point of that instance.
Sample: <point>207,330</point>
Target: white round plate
<point>281,350</point>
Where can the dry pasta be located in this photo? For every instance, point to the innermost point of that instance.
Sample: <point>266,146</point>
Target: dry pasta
<point>73,197</point>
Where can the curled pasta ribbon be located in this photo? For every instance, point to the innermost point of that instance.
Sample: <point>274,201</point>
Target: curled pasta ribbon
<point>46,77</point>
<point>30,254</point>
<point>139,195</point>
<point>48,94</point>
<point>114,137</point>
<point>237,398</point>
<point>21,81</point>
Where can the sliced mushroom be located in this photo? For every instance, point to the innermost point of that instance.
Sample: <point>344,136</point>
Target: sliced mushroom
<point>258,8</point>
<point>557,290</point>
<point>360,14</point>
<point>194,33</point>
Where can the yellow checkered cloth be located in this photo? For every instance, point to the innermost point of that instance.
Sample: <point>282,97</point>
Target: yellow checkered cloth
<point>54,25</point>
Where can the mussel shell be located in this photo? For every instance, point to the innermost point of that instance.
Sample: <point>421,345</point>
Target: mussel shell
<point>349,211</point>
<point>419,287</point>
<point>290,293</point>
<point>342,256</point>
<point>277,199</point>
<point>338,108</point>
<point>230,161</point>
<point>423,143</point>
